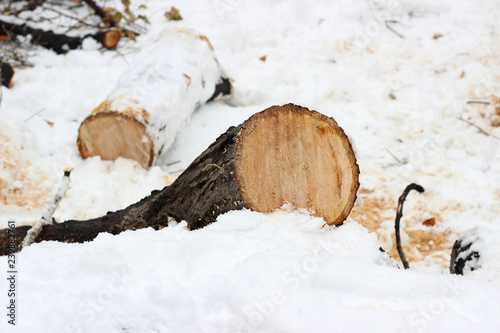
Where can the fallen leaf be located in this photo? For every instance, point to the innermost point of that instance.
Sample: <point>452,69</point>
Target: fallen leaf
<point>429,222</point>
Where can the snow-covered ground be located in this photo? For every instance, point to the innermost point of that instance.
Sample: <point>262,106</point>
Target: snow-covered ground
<point>396,76</point>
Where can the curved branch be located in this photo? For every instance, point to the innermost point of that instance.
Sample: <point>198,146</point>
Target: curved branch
<point>399,215</point>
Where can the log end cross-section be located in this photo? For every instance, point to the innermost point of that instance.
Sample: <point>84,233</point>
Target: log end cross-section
<point>112,135</point>
<point>292,155</point>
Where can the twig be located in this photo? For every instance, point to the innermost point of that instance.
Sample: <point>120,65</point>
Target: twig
<point>48,211</point>
<point>98,10</point>
<point>394,156</point>
<point>81,21</point>
<point>172,163</point>
<point>386,22</point>
<point>478,102</point>
<point>479,128</point>
<point>453,258</point>
<point>25,120</point>
<point>399,215</point>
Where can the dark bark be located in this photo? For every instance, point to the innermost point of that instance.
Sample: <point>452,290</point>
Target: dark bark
<point>7,74</point>
<point>206,189</point>
<point>399,215</point>
<point>462,256</point>
<point>59,43</point>
<point>98,10</point>
<point>222,88</point>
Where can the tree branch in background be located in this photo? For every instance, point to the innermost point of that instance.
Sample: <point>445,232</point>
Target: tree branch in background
<point>98,10</point>
<point>57,42</point>
<point>479,128</point>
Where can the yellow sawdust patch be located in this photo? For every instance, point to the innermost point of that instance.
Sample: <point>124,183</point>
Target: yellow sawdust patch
<point>424,242</point>
<point>19,186</point>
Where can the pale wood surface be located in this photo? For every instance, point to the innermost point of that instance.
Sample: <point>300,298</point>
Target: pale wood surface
<point>111,135</point>
<point>292,155</point>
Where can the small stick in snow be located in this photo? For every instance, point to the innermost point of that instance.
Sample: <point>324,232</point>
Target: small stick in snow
<point>478,102</point>
<point>394,157</point>
<point>386,22</point>
<point>399,215</point>
<point>48,211</point>
<point>479,128</point>
<point>172,163</point>
<point>34,114</point>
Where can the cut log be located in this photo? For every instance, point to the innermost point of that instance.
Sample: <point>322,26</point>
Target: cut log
<point>153,99</point>
<point>109,39</point>
<point>283,155</point>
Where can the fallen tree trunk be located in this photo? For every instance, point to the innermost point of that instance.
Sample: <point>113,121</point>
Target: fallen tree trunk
<point>153,99</point>
<point>57,42</point>
<point>283,155</point>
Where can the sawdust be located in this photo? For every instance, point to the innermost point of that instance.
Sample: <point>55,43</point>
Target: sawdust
<point>374,211</point>
<point>19,185</point>
<point>168,180</point>
<point>423,242</point>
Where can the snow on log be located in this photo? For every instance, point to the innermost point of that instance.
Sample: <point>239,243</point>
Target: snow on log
<point>282,155</point>
<point>154,98</point>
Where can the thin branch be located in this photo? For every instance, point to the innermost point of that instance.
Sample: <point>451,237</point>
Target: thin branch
<point>399,215</point>
<point>98,10</point>
<point>394,156</point>
<point>478,102</point>
<point>172,163</point>
<point>386,22</point>
<point>48,211</point>
<point>34,114</point>
<point>479,128</point>
<point>82,22</point>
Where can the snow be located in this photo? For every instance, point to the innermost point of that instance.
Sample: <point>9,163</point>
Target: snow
<point>397,98</point>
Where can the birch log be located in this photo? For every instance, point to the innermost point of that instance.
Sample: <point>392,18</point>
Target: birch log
<point>154,98</point>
